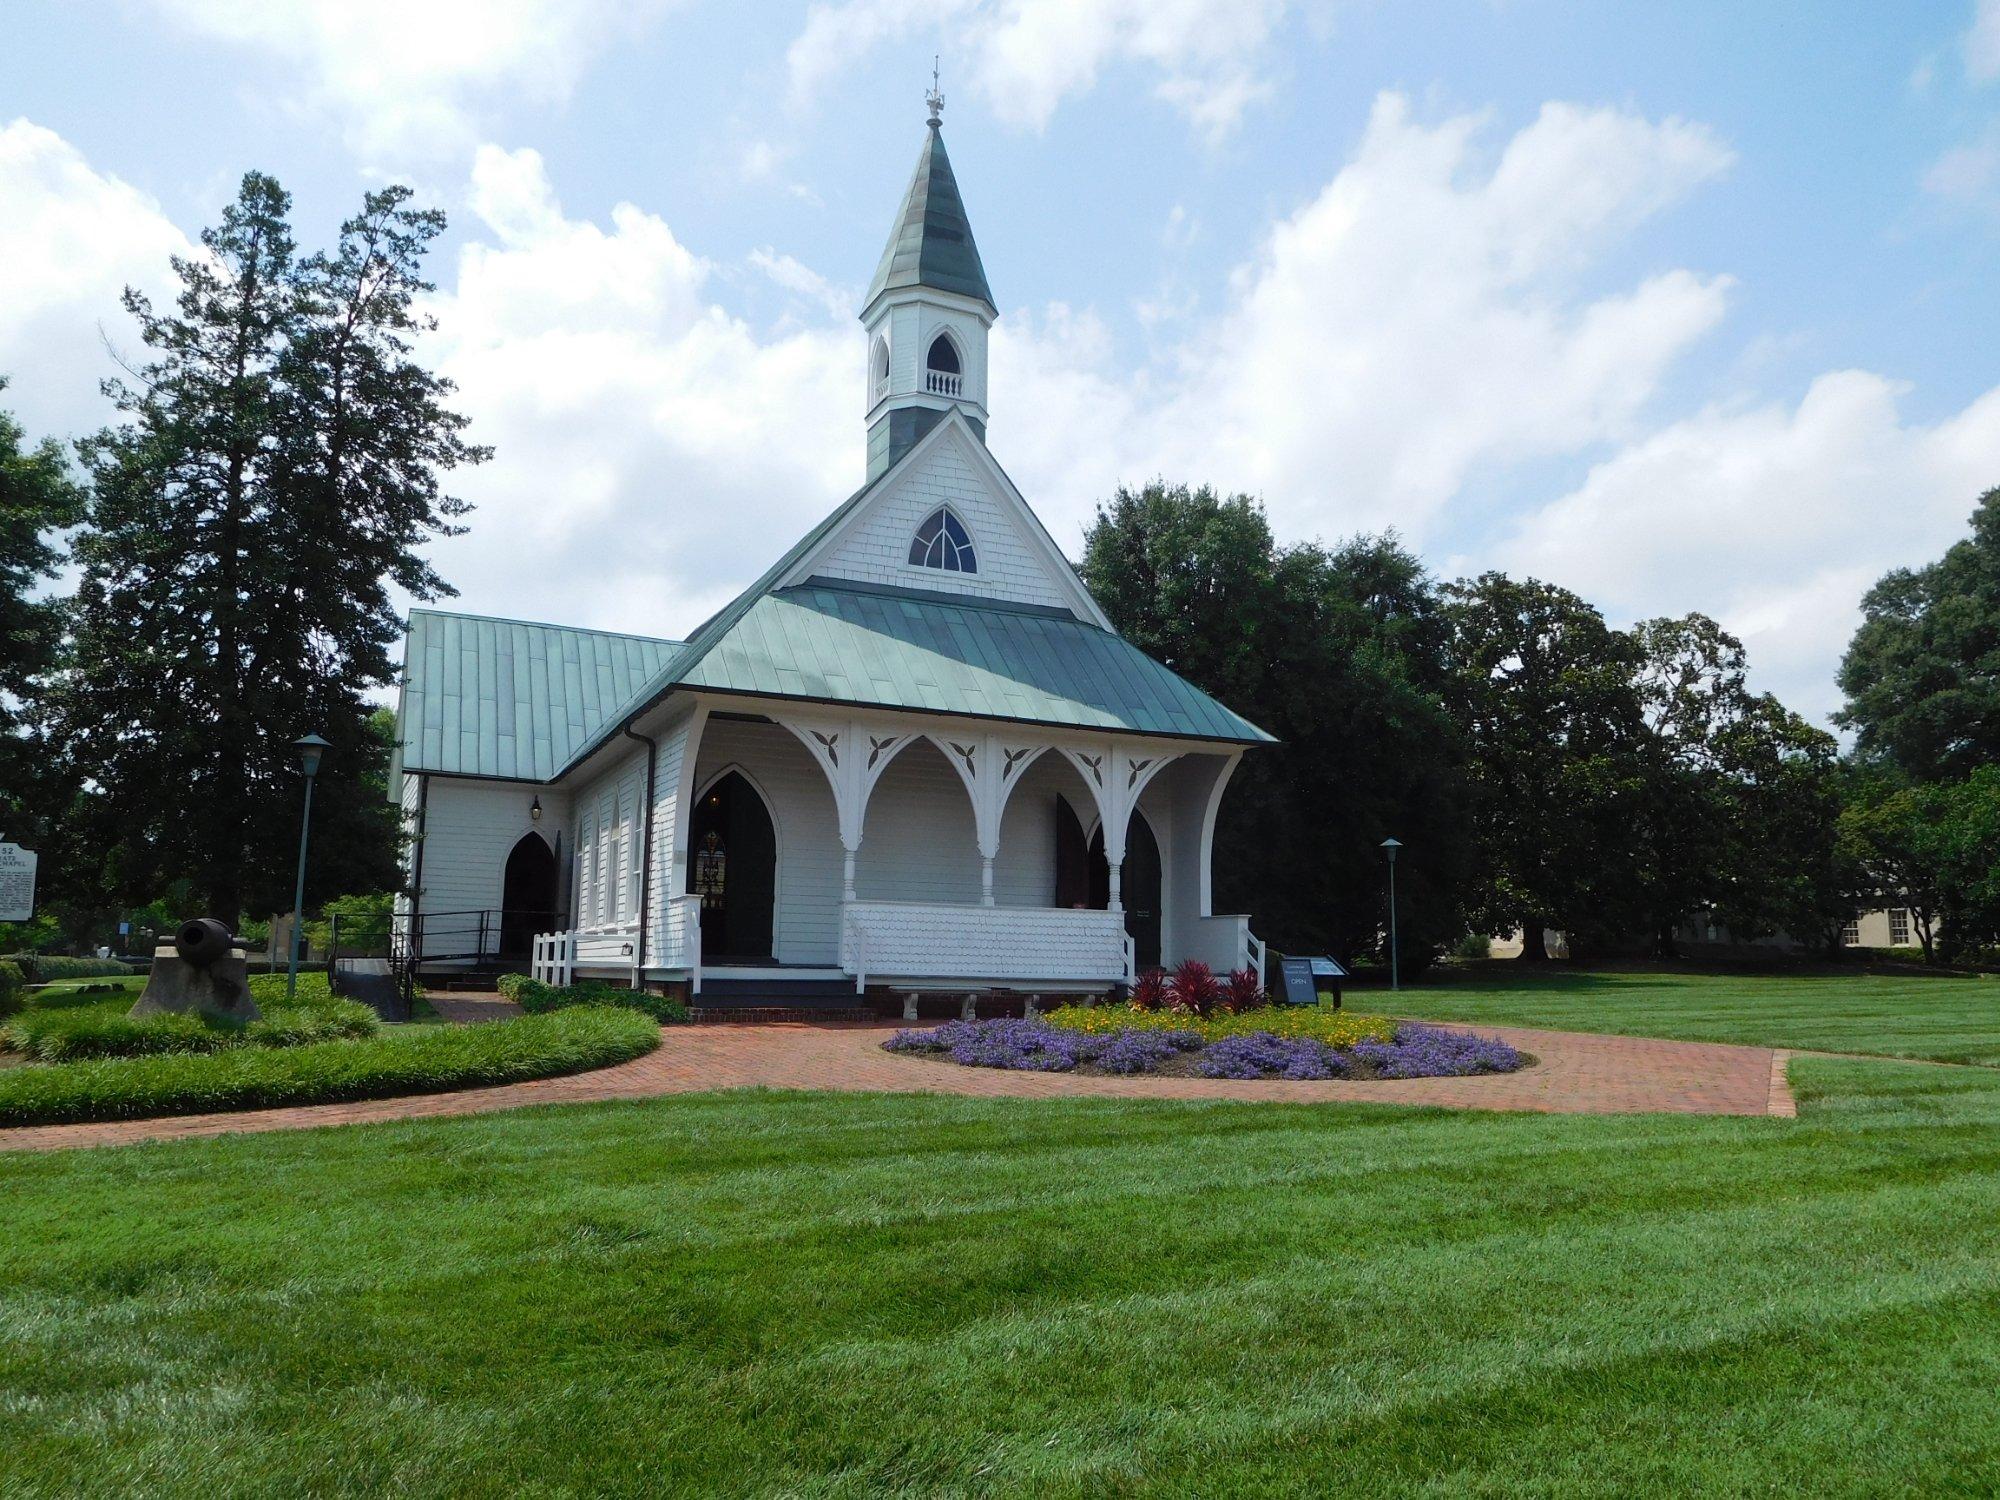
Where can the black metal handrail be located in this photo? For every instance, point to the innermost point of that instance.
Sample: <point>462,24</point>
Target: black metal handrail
<point>476,935</point>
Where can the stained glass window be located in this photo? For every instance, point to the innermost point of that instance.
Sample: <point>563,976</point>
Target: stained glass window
<point>941,542</point>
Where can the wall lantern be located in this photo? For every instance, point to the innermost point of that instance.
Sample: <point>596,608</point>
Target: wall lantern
<point>535,809</point>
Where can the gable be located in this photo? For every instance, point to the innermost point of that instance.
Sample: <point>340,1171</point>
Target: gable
<point>1017,563</point>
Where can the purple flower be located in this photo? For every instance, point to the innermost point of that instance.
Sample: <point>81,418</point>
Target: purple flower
<point>1426,1052</point>
<point>1259,1054</point>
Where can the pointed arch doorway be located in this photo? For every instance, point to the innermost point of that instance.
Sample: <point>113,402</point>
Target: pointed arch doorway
<point>527,895</point>
<point>1083,877</point>
<point>733,867</point>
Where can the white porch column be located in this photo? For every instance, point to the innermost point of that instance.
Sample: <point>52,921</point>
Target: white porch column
<point>1117,901</point>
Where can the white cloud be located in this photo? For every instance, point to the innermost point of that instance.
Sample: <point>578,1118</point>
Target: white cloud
<point>1969,174</point>
<point>653,450</point>
<point>1982,42</point>
<point>1209,57</point>
<point>412,80</point>
<point>1420,320</point>
<point>71,240</point>
<point>1773,518</point>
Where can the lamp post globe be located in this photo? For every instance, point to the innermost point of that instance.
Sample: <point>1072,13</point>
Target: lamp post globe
<point>1389,848</point>
<point>311,751</point>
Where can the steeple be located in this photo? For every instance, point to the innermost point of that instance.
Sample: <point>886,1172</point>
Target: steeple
<point>927,311</point>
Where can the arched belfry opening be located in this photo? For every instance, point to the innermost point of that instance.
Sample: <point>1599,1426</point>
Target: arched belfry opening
<point>878,370</point>
<point>733,867</point>
<point>527,895</point>
<point>944,374</point>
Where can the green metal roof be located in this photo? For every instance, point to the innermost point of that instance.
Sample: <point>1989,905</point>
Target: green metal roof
<point>886,647</point>
<point>931,244</point>
<point>485,697</point>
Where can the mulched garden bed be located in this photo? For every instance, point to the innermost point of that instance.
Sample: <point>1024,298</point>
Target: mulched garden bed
<point>1039,1046</point>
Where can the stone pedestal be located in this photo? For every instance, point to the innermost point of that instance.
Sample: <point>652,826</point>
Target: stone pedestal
<point>221,989</point>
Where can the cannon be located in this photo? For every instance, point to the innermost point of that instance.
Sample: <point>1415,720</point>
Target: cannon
<point>202,971</point>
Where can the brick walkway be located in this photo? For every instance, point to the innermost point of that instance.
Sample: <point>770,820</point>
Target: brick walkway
<point>1575,1073</point>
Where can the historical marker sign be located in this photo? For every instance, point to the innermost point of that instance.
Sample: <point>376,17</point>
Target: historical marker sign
<point>1308,979</point>
<point>17,883</point>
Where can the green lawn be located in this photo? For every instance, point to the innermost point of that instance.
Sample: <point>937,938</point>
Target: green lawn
<point>846,1294</point>
<point>1944,1019</point>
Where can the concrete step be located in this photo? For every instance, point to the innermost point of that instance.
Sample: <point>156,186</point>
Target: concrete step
<point>776,991</point>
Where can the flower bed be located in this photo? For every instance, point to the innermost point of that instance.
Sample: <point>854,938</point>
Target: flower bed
<point>1389,1049</point>
<point>1337,1028</point>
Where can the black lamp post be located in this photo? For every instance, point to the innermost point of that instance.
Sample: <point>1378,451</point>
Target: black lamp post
<point>310,749</point>
<point>1389,847</point>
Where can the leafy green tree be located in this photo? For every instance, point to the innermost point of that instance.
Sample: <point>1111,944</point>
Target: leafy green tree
<point>1738,798</point>
<point>277,469</point>
<point>1341,654</point>
<point>1922,674</point>
<point>1555,723</point>
<point>1933,847</point>
<point>38,498</point>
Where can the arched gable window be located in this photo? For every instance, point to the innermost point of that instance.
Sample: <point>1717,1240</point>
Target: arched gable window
<point>942,542</point>
<point>943,373</point>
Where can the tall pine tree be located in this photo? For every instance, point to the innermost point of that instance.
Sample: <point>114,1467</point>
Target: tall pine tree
<point>275,473</point>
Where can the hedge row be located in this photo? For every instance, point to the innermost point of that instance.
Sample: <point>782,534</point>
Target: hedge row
<point>71,1033</point>
<point>409,1060</point>
<point>539,999</point>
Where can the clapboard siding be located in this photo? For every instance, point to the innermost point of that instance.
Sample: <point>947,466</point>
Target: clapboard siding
<point>607,844</point>
<point>470,827</point>
<point>878,549</point>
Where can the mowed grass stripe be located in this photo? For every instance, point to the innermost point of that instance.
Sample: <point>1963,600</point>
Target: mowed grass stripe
<point>826,1295</point>
<point>1941,1018</point>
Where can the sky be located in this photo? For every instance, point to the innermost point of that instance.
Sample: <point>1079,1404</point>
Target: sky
<point>1684,307</point>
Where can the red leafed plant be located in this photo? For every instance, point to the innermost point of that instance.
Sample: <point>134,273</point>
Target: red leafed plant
<point>1242,991</point>
<point>1149,990</point>
<point>1194,988</point>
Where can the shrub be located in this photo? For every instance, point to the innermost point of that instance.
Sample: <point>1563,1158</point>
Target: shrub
<point>69,1033</point>
<point>1194,989</point>
<point>12,982</point>
<point>105,1028</point>
<point>269,989</point>
<point>1149,990</point>
<point>304,1025</point>
<point>538,999</point>
<point>1337,1028</point>
<point>1242,991</point>
<point>1473,946</point>
<point>411,1060</point>
<point>40,968</point>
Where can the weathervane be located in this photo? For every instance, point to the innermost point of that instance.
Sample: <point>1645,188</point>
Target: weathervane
<point>935,98</point>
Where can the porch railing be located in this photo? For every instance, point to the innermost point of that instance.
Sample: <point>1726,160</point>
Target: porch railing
<point>1006,944</point>
<point>1227,943</point>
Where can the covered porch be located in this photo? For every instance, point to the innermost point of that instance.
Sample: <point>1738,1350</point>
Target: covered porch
<point>901,851</point>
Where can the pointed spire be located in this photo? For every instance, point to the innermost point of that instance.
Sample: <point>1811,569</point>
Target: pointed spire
<point>931,244</point>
